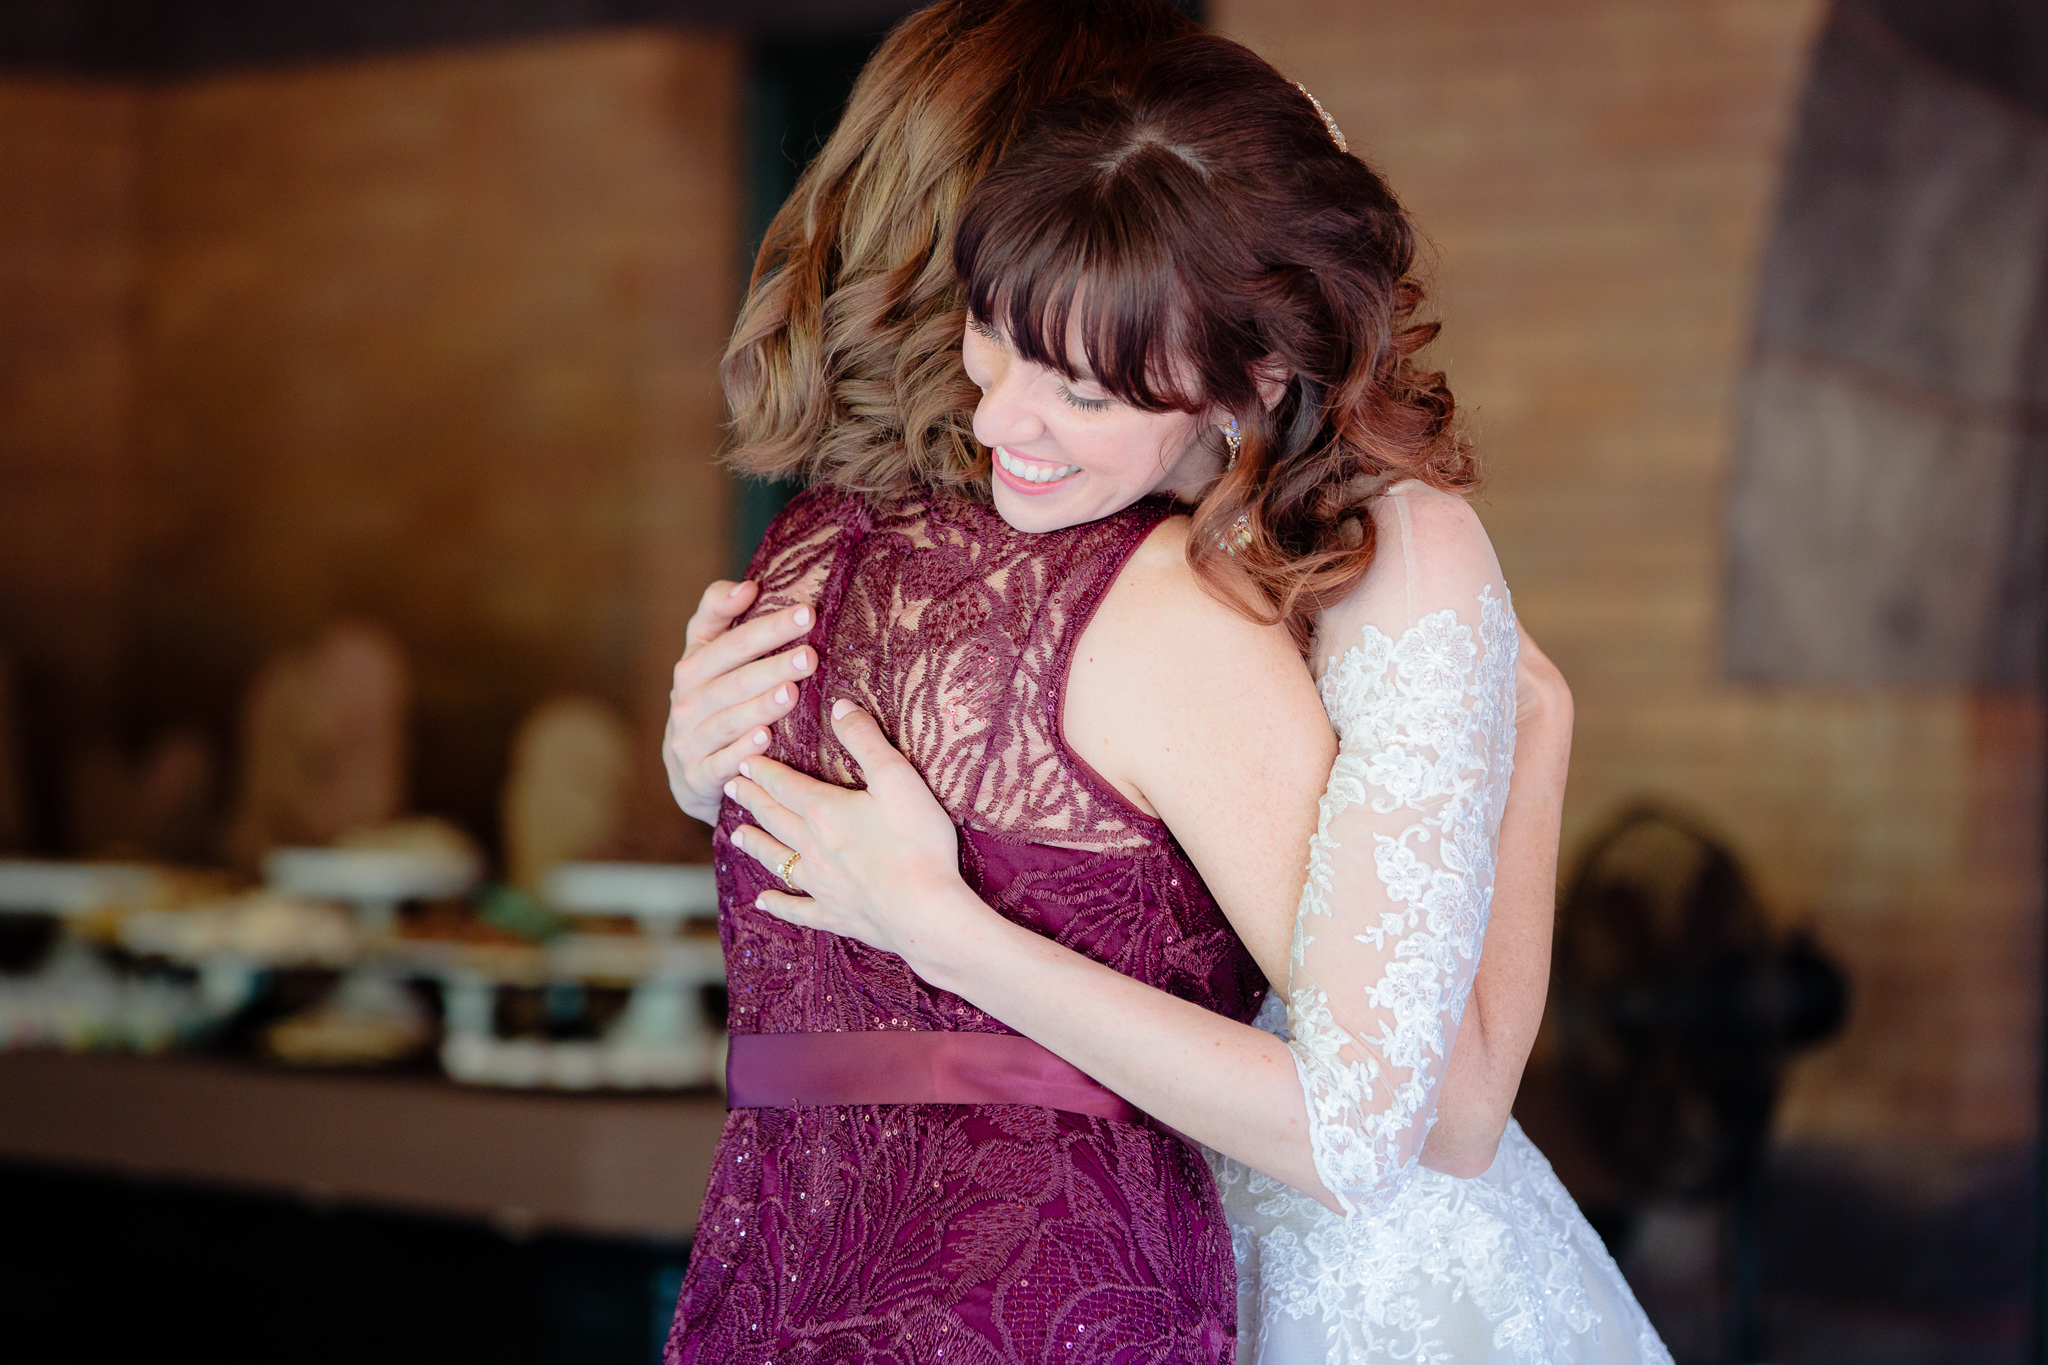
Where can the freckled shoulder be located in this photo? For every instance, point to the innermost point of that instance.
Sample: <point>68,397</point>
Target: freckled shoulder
<point>1165,661</point>
<point>1157,594</point>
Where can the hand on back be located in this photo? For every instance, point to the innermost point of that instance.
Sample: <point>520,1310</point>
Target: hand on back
<point>874,863</point>
<point>730,685</point>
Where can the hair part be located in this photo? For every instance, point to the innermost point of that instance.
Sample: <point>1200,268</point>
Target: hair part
<point>844,364</point>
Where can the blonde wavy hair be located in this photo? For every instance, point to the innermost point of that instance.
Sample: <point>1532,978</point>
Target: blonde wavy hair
<point>844,366</point>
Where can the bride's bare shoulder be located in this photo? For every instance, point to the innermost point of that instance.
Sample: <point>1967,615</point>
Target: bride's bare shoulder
<point>1413,510</point>
<point>1431,551</point>
<point>1157,582</point>
<point>1165,664</point>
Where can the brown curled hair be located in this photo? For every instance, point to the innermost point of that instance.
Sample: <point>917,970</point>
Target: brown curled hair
<point>844,365</point>
<point>1198,229</point>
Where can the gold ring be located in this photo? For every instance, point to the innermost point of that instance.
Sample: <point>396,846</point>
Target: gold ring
<point>788,866</point>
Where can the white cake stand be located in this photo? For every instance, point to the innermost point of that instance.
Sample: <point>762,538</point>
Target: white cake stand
<point>662,1039</point>
<point>373,883</point>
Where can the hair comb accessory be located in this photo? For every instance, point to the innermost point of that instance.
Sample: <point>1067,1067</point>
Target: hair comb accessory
<point>1233,440</point>
<point>1336,133</point>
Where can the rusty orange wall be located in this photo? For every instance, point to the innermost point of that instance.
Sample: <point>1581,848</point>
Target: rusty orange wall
<point>67,275</point>
<point>1598,177</point>
<point>430,339</point>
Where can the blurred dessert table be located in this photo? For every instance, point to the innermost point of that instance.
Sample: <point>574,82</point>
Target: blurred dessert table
<point>602,1165</point>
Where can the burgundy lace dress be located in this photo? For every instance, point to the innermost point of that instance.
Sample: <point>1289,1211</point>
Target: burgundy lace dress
<point>917,1233</point>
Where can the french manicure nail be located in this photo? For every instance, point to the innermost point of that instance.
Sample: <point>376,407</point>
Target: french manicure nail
<point>781,695</point>
<point>803,616</point>
<point>801,663</point>
<point>736,589</point>
<point>743,771</point>
<point>761,739</point>
<point>840,708</point>
<point>732,789</point>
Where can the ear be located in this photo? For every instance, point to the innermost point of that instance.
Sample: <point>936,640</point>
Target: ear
<point>1271,375</point>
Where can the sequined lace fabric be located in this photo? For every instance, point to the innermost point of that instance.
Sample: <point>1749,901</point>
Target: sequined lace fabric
<point>1417,671</point>
<point>973,1233</point>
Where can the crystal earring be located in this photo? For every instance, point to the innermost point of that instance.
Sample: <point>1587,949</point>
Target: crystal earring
<point>1239,536</point>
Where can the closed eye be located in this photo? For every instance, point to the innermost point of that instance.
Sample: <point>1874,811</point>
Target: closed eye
<point>1075,400</point>
<point>984,331</point>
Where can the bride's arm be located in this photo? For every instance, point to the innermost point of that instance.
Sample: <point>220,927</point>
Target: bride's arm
<point>1514,973</point>
<point>1418,672</point>
<point>1137,638</point>
<point>1194,713</point>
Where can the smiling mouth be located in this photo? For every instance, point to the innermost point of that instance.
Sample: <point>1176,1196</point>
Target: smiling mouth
<point>1032,471</point>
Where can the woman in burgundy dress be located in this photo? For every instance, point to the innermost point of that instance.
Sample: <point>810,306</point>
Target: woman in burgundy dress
<point>903,1178</point>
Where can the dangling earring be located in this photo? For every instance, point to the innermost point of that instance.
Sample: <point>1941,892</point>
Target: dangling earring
<point>1240,533</point>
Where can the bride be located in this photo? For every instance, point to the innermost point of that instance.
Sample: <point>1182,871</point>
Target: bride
<point>1140,257</point>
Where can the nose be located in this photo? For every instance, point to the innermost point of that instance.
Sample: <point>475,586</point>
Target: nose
<point>1006,414</point>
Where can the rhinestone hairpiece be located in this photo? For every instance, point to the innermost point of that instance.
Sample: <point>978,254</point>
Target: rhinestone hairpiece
<point>1238,537</point>
<point>1336,133</point>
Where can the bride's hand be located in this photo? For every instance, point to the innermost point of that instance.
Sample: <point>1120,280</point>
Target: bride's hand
<point>874,865</point>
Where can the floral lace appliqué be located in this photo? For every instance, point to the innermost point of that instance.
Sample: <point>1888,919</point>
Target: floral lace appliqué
<point>1427,737</point>
<point>1425,1268</point>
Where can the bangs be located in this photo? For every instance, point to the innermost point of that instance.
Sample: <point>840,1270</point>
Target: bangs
<point>1084,267</point>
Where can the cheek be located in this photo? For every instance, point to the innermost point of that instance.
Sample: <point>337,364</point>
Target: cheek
<point>1152,443</point>
<point>1174,441</point>
<point>1098,448</point>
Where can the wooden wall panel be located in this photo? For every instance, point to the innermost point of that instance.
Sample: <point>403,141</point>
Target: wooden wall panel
<point>1891,481</point>
<point>66,275</point>
<point>1599,178</point>
<point>432,340</point>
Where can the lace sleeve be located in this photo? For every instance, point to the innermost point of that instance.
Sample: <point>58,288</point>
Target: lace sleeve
<point>1418,674</point>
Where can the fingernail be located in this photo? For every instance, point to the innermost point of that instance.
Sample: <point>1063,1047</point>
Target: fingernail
<point>760,739</point>
<point>743,771</point>
<point>732,789</point>
<point>736,589</point>
<point>802,662</point>
<point>761,901</point>
<point>840,708</point>
<point>803,616</point>
<point>781,695</point>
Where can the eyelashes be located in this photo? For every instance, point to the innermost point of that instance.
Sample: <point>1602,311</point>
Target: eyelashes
<point>1067,395</point>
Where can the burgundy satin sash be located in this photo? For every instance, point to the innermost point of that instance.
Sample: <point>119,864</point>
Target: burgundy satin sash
<point>791,1070</point>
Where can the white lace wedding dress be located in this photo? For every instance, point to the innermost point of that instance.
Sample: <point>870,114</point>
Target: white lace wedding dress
<point>1417,670</point>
